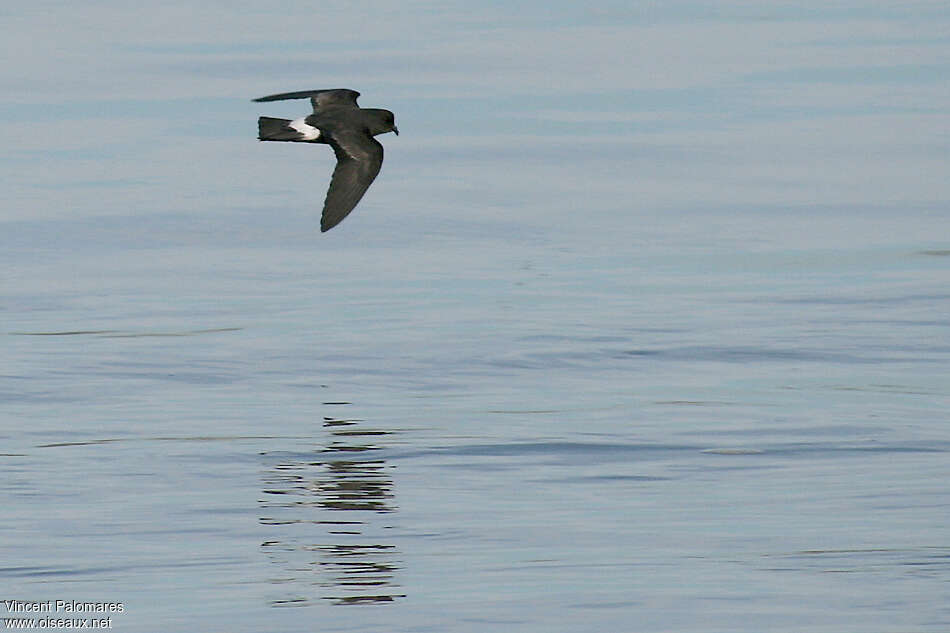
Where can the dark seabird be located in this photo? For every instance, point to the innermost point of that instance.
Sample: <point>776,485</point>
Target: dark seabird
<point>349,129</point>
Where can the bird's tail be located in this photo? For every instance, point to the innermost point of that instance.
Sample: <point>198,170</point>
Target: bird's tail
<point>270,129</point>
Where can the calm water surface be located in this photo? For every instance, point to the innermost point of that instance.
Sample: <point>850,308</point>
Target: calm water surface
<point>645,325</point>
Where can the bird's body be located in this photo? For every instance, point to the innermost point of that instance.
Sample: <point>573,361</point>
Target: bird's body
<point>339,122</point>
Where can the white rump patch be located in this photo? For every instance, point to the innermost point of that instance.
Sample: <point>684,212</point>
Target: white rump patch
<point>309,132</point>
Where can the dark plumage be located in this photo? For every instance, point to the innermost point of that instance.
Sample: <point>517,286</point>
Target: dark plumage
<point>338,121</point>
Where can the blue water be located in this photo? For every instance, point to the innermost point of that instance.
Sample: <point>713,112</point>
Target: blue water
<point>645,324</point>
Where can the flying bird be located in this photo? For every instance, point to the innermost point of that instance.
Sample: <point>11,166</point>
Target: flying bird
<point>338,121</point>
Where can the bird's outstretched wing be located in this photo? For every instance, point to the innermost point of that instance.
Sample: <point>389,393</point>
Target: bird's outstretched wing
<point>359,157</point>
<point>320,98</point>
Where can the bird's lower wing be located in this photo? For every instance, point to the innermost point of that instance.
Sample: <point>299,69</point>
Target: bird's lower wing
<point>359,157</point>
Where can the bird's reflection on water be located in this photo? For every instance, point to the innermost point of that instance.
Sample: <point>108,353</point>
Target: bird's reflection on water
<point>329,510</point>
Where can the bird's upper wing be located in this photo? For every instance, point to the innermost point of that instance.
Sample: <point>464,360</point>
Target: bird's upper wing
<point>359,157</point>
<point>320,98</point>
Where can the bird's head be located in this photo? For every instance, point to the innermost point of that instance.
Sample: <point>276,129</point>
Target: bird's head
<point>383,121</point>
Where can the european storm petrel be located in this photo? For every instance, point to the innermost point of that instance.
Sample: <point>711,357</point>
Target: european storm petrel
<point>349,129</point>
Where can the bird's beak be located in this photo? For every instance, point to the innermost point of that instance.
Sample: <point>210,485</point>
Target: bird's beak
<point>396,130</point>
